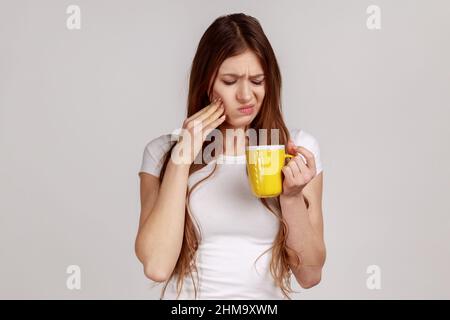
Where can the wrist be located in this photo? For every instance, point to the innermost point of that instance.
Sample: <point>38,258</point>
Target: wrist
<point>178,162</point>
<point>292,198</point>
<point>294,205</point>
<point>180,155</point>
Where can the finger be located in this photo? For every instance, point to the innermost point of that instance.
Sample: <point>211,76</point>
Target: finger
<point>214,125</point>
<point>212,106</point>
<point>201,118</point>
<point>301,164</point>
<point>218,113</point>
<point>287,171</point>
<point>295,169</point>
<point>310,159</point>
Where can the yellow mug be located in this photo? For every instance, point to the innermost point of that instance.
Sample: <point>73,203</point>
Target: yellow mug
<point>264,164</point>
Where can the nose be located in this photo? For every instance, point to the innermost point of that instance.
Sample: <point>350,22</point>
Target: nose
<point>244,92</point>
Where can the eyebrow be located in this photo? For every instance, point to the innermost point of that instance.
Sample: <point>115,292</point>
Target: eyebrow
<point>241,76</point>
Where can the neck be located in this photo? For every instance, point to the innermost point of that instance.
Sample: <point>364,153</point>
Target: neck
<point>234,143</point>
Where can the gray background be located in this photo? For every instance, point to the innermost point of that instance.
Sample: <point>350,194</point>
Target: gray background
<point>77,108</point>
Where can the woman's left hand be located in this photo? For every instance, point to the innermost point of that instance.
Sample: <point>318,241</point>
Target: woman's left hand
<point>297,173</point>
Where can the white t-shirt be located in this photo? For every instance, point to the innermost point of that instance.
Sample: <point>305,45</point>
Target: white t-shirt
<point>236,227</point>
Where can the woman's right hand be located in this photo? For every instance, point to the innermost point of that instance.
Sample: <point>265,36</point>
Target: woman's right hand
<point>195,130</point>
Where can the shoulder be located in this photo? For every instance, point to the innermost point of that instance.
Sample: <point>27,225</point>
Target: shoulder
<point>304,138</point>
<point>307,140</point>
<point>159,143</point>
<point>154,153</point>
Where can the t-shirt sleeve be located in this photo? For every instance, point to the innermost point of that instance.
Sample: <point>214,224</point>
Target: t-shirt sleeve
<point>308,141</point>
<point>153,156</point>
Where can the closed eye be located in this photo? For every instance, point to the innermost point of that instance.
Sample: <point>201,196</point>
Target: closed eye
<point>228,83</point>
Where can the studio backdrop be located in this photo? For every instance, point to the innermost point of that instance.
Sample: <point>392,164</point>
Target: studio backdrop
<point>85,85</point>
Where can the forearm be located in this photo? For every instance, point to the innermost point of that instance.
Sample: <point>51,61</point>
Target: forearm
<point>302,237</point>
<point>161,236</point>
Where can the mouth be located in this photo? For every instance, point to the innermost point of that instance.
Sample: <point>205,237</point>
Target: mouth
<point>248,109</point>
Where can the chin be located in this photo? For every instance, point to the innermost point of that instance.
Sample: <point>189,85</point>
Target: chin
<point>241,122</point>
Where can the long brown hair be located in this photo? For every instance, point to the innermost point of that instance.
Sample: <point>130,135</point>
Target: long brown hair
<point>228,36</point>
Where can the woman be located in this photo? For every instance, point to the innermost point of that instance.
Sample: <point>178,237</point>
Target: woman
<point>201,230</point>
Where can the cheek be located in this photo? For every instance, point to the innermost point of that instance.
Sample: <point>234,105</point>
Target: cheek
<point>260,94</point>
<point>219,90</point>
<point>226,93</point>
